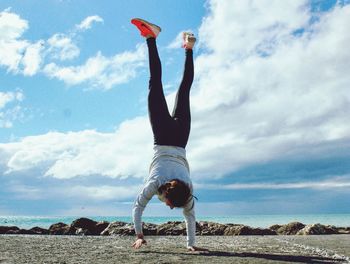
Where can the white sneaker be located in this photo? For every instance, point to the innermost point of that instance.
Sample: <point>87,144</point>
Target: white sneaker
<point>188,40</point>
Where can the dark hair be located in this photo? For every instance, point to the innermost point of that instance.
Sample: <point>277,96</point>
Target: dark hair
<point>177,192</point>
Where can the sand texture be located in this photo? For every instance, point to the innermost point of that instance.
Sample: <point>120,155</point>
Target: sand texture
<point>171,249</point>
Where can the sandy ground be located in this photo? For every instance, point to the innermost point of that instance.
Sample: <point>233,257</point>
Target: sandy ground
<point>223,249</point>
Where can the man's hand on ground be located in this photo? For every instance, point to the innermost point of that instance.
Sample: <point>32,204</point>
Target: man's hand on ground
<point>197,249</point>
<point>138,243</point>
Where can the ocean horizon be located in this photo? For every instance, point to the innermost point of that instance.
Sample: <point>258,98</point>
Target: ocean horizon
<point>263,221</point>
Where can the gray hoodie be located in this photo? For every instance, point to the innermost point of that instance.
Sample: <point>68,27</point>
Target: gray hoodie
<point>169,162</point>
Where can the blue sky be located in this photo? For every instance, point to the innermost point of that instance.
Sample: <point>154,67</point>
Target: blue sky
<point>270,105</point>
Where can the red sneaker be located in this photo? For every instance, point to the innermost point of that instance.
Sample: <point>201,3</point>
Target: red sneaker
<point>146,28</point>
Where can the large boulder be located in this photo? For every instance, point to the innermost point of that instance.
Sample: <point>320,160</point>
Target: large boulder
<point>172,228</point>
<point>83,224</point>
<point>119,228</point>
<point>86,226</point>
<point>39,231</point>
<point>318,229</point>
<point>21,232</point>
<point>149,229</point>
<point>60,229</point>
<point>343,230</point>
<point>100,226</point>
<point>275,227</point>
<point>288,229</point>
<point>82,232</point>
<point>242,230</point>
<point>5,229</point>
<point>211,228</point>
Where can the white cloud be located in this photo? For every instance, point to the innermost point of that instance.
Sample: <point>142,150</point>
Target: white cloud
<point>237,28</point>
<point>289,99</point>
<point>77,192</point>
<point>62,47</point>
<point>11,49</point>
<point>331,183</point>
<point>103,193</point>
<point>125,153</point>
<point>32,58</point>
<point>22,56</point>
<point>101,72</point>
<point>9,108</point>
<point>11,25</point>
<point>87,22</point>
<point>18,55</point>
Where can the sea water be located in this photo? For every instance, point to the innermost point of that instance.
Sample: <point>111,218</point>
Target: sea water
<point>264,221</point>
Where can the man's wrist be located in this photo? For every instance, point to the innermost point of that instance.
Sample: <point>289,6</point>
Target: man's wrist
<point>139,236</point>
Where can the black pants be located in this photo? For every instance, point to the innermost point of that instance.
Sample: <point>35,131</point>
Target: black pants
<point>173,129</point>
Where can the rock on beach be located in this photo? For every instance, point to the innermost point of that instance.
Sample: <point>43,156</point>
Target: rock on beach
<point>88,227</point>
<point>318,229</point>
<point>289,229</point>
<point>118,228</point>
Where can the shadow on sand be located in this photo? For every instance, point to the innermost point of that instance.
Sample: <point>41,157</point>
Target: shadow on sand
<point>276,257</point>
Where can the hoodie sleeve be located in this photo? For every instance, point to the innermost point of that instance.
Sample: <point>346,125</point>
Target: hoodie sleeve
<point>190,218</point>
<point>140,203</point>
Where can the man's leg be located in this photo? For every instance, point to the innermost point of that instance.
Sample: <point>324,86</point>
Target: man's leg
<point>181,113</point>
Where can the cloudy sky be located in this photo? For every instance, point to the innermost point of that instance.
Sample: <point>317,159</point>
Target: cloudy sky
<point>270,105</point>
